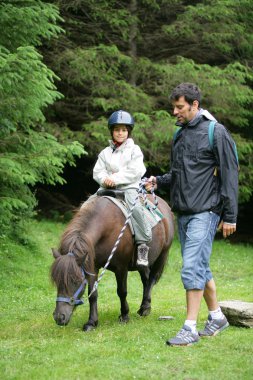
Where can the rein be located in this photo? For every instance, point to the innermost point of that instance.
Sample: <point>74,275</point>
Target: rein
<point>143,192</point>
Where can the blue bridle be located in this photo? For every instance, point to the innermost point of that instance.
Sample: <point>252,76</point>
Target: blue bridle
<point>74,300</point>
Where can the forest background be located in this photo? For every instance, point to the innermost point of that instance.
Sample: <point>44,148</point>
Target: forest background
<point>66,65</point>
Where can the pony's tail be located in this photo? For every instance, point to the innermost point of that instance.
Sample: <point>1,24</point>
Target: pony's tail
<point>159,265</point>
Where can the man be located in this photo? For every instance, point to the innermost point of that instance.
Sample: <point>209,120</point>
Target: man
<point>203,184</point>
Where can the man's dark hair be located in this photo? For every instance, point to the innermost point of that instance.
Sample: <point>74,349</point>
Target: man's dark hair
<point>190,92</point>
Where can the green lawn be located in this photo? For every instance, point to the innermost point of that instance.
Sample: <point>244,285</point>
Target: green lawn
<point>34,347</point>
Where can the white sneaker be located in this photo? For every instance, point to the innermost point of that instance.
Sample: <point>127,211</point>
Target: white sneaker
<point>213,327</point>
<point>185,337</point>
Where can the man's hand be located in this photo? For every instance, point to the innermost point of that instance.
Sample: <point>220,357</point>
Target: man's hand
<point>151,184</point>
<point>108,182</point>
<point>227,229</point>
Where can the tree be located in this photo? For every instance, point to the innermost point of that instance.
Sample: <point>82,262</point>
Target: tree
<point>217,32</point>
<point>28,154</point>
<point>130,54</point>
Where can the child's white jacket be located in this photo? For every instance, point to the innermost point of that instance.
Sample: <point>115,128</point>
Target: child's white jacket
<point>124,165</point>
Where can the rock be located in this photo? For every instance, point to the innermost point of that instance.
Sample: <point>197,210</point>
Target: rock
<point>165,318</point>
<point>238,313</point>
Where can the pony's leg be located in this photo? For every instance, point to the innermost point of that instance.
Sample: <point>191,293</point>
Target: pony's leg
<point>149,278</point>
<point>93,315</point>
<point>148,282</point>
<point>121,278</point>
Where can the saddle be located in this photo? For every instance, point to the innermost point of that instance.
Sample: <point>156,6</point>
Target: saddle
<point>118,197</point>
<point>118,194</point>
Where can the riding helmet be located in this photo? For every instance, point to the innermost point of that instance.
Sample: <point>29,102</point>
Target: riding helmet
<point>121,117</point>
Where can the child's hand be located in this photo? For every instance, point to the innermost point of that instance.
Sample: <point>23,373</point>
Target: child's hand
<point>108,182</point>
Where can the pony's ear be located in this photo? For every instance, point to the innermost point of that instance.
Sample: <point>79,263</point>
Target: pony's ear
<point>56,254</point>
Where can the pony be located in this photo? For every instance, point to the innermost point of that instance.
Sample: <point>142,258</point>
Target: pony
<point>85,247</point>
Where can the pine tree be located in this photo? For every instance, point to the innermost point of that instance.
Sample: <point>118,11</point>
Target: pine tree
<point>28,154</point>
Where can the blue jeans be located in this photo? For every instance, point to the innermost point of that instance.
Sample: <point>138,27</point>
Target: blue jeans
<point>196,234</point>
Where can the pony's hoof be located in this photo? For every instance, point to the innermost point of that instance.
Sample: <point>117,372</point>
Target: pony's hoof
<point>124,318</point>
<point>144,312</point>
<point>88,327</point>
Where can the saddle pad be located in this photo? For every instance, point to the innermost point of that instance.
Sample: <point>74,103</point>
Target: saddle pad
<point>152,216</point>
<point>122,205</point>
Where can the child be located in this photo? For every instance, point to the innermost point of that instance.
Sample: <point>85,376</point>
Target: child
<point>120,166</point>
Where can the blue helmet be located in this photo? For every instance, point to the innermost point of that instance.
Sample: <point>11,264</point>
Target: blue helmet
<point>121,117</point>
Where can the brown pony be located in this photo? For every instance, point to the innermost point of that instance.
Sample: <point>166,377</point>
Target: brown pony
<point>85,247</point>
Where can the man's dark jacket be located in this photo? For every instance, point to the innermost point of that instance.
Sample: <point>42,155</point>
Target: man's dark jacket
<point>202,178</point>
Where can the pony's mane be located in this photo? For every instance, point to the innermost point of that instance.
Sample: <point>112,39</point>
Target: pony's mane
<point>74,239</point>
<point>66,269</point>
<point>64,272</point>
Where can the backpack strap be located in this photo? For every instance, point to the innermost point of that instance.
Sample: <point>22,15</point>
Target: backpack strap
<point>211,132</point>
<point>211,127</point>
<point>176,133</point>
<point>236,154</point>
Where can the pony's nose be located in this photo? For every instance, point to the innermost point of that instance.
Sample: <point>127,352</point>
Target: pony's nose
<point>59,318</point>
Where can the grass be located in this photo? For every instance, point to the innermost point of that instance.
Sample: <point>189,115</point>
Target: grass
<point>34,347</point>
